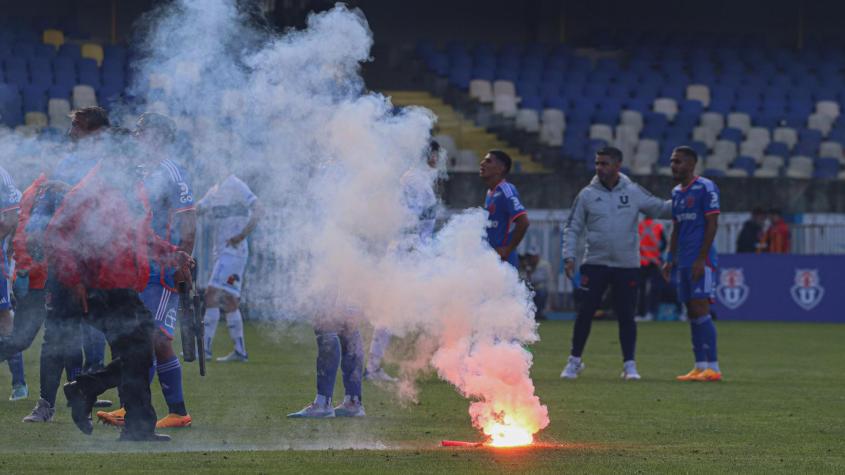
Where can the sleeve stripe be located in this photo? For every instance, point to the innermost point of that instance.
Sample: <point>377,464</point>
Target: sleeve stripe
<point>712,211</point>
<point>10,208</point>
<point>185,209</point>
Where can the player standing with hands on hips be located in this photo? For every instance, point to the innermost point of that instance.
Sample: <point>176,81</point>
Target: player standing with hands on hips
<point>608,211</point>
<point>695,212</point>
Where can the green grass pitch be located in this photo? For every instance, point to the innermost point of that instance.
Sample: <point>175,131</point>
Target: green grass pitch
<point>780,409</point>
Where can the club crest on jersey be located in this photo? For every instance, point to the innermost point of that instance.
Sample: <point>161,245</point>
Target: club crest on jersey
<point>623,199</point>
<point>233,279</point>
<point>807,291</point>
<point>690,201</point>
<point>732,290</point>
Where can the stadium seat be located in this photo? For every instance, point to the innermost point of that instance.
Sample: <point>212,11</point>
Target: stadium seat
<point>93,51</point>
<point>713,121</point>
<point>83,96</point>
<point>766,173</point>
<point>10,106</point>
<point>626,136</point>
<point>749,164</point>
<point>777,148</point>
<point>554,116</point>
<point>752,149</point>
<point>70,50</point>
<point>831,149</point>
<point>759,135</point>
<point>36,119</point>
<point>479,89</point>
<point>601,132</point>
<point>787,135</point>
<point>705,135</point>
<point>52,37</point>
<point>527,120</point>
<point>666,106</point>
<point>632,118</point>
<point>828,108</point>
<point>737,173</point>
<point>725,149</point>
<point>826,168</point>
<point>34,99</point>
<point>466,160</point>
<point>820,122</point>
<point>502,87</point>
<point>505,105</point>
<point>733,134</point>
<point>699,92</point>
<point>739,120</point>
<point>551,134</point>
<point>799,167</point>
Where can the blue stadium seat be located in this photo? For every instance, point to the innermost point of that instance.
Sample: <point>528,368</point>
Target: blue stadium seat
<point>11,113</point>
<point>556,102</point>
<point>70,50</point>
<point>745,163</point>
<point>713,172</point>
<point>732,134</point>
<point>777,148</point>
<point>24,50</point>
<point>531,102</point>
<point>34,99</point>
<point>59,91</point>
<point>826,168</point>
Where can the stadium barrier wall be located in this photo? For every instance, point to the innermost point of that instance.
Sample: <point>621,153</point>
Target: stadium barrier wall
<point>780,287</point>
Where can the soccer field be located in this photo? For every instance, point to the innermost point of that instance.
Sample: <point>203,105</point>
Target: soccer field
<point>780,409</point>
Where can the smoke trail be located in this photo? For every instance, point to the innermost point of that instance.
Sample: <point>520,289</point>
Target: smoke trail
<point>290,114</point>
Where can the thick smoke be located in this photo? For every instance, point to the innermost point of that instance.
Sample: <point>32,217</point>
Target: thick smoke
<point>289,114</point>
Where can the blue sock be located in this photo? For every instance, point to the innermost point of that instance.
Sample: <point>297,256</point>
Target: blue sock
<point>710,341</point>
<point>94,346</point>
<point>170,379</point>
<point>16,368</point>
<point>328,360</point>
<point>352,363</point>
<point>698,336</point>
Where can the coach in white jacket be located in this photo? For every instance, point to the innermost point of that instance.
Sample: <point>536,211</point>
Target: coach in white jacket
<point>608,210</point>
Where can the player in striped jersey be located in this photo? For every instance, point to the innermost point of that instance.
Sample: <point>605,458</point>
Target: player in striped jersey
<point>508,221</point>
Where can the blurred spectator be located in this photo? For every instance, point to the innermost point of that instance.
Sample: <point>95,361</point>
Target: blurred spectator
<point>750,238</point>
<point>538,273</point>
<point>652,242</point>
<point>776,239</point>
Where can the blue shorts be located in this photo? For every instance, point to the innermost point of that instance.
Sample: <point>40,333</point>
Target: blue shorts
<point>703,288</point>
<point>163,304</point>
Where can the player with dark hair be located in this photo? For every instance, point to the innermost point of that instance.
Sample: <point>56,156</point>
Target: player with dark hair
<point>607,211</point>
<point>174,220</point>
<point>100,243</point>
<point>508,220</point>
<point>692,255</point>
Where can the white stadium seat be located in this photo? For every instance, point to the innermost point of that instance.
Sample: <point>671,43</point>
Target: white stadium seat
<point>666,106</point>
<point>714,121</point>
<point>786,135</point>
<point>699,92</point>
<point>482,90</point>
<point>739,120</point>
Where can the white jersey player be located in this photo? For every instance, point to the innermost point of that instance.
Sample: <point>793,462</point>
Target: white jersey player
<point>418,196</point>
<point>234,211</point>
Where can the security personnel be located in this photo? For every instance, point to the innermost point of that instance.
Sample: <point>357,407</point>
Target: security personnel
<point>608,211</point>
<point>651,242</point>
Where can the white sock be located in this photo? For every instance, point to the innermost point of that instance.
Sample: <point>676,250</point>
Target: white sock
<point>236,330</point>
<point>212,316</point>
<point>321,400</point>
<point>702,365</point>
<point>381,340</point>
<point>714,365</point>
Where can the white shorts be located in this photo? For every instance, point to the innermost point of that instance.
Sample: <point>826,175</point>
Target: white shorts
<point>228,273</point>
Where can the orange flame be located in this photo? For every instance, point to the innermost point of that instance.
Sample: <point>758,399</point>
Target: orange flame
<point>507,433</point>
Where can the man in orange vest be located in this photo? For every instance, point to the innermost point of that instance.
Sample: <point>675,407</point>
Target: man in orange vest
<point>776,239</point>
<point>651,243</point>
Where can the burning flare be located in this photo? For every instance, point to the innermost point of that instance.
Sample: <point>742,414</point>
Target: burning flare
<point>507,434</point>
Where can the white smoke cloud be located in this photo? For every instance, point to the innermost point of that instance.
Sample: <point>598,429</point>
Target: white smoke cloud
<point>290,114</point>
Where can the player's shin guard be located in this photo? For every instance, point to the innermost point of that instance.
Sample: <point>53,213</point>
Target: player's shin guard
<point>235,323</point>
<point>352,363</point>
<point>170,379</point>
<point>328,360</point>
<point>212,316</point>
<point>698,331</point>
<point>381,340</point>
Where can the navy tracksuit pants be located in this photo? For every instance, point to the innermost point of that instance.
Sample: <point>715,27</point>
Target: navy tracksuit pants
<point>595,279</point>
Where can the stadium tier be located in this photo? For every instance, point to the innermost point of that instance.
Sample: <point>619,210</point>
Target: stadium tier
<point>47,73</point>
<point>751,111</point>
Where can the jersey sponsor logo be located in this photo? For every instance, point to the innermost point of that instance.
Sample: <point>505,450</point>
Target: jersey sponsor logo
<point>807,291</point>
<point>686,216</point>
<point>732,291</point>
